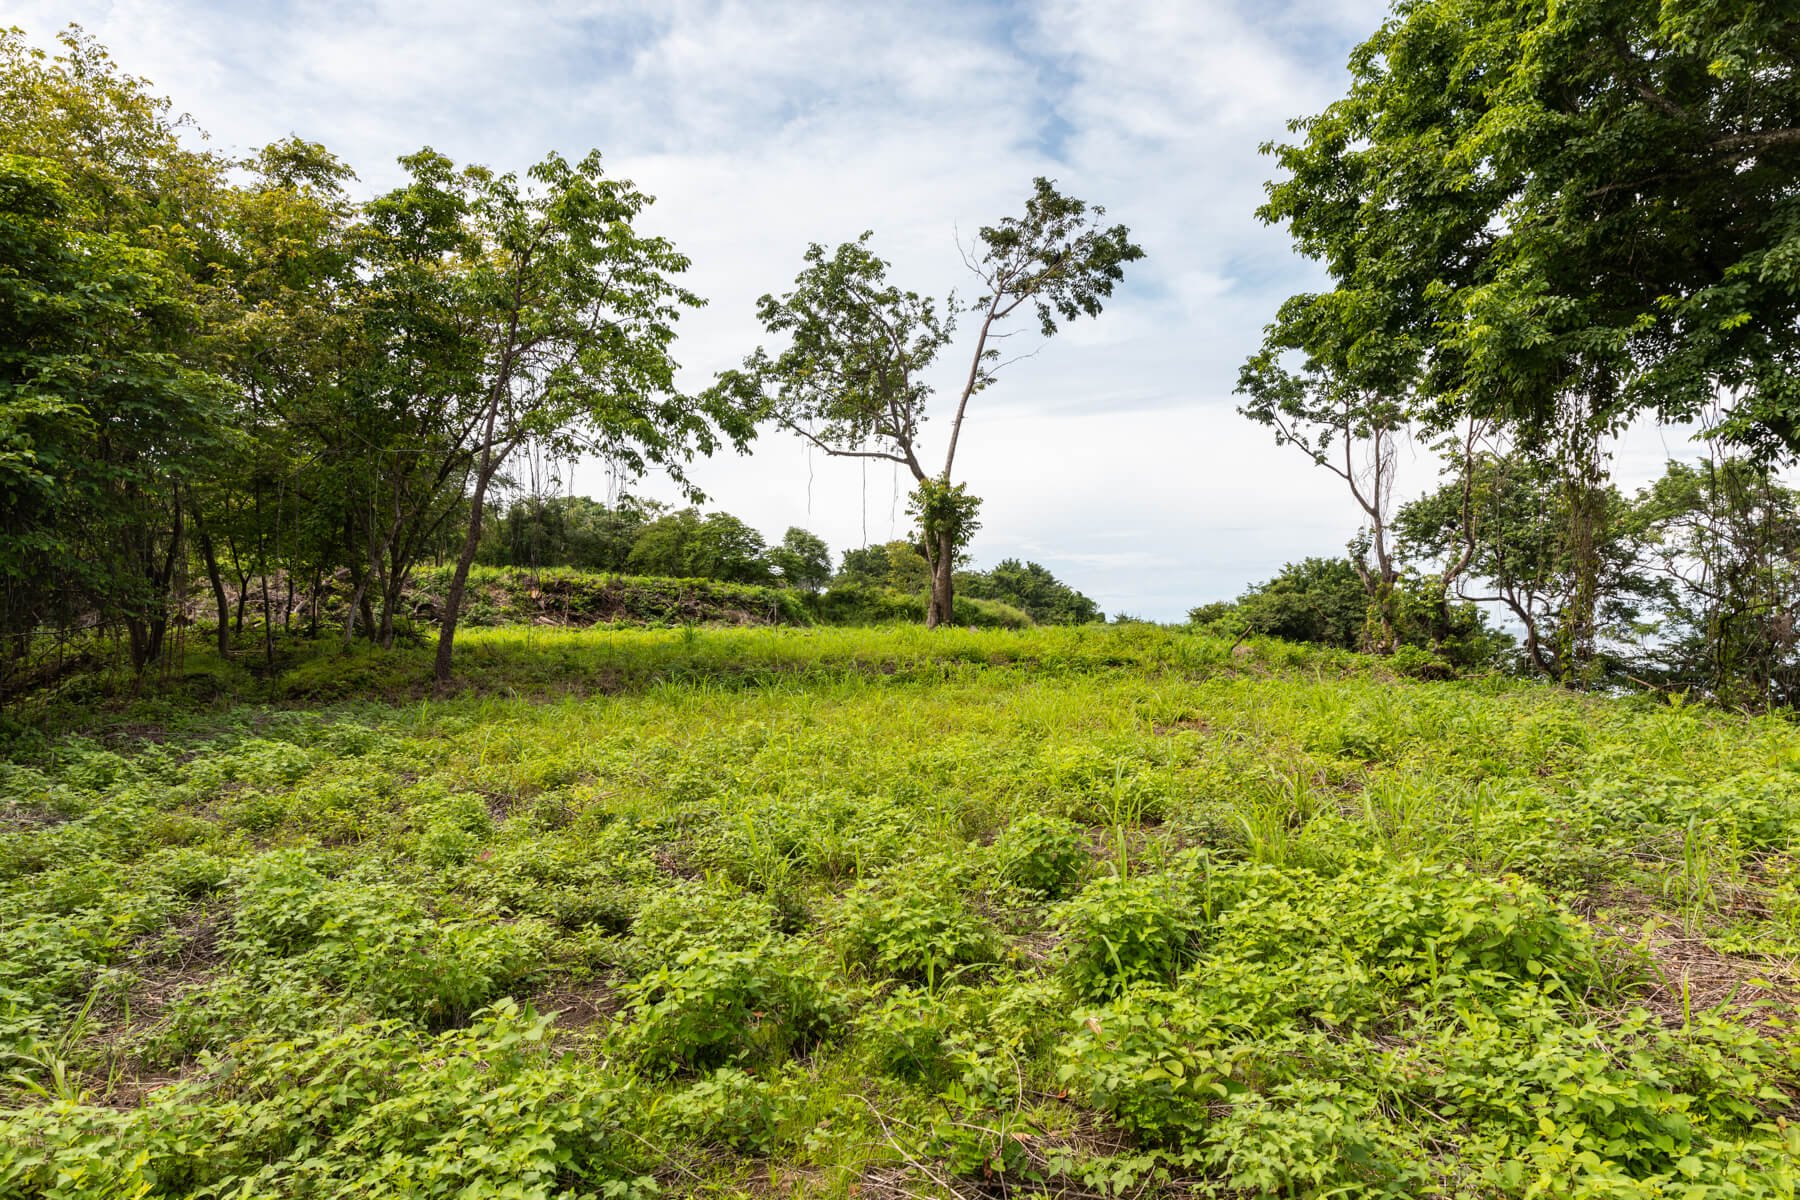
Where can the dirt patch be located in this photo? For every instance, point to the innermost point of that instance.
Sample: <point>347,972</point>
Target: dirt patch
<point>23,818</point>
<point>671,863</point>
<point>1687,974</point>
<point>579,1006</point>
<point>161,977</point>
<point>1691,976</point>
<point>1185,725</point>
<point>499,806</point>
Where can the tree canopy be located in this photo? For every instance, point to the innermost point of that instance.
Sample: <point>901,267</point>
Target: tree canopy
<point>1592,197</point>
<point>852,378</point>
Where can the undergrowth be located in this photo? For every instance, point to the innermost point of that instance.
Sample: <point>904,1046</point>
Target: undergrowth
<point>1111,911</point>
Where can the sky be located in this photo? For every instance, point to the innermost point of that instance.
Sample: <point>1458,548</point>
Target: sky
<point>1115,454</point>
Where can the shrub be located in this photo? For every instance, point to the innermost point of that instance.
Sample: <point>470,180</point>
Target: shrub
<point>913,927</point>
<point>726,1108</point>
<point>373,1110</point>
<point>1409,924</point>
<point>904,1035</point>
<point>187,871</point>
<point>860,604</point>
<point>714,1007</point>
<point>1121,931</point>
<point>1151,1061</point>
<point>1041,854</point>
<point>1311,1138</point>
<point>375,943</point>
<point>280,902</point>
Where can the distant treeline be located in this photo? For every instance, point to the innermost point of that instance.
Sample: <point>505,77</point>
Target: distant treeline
<point>1693,584</point>
<point>644,537</point>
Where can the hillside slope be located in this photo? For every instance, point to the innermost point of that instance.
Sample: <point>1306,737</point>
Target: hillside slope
<point>849,912</point>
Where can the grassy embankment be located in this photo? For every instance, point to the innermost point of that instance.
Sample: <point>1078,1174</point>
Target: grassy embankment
<point>836,911</point>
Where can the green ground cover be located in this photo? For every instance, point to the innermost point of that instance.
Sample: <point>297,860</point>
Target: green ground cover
<point>813,911</point>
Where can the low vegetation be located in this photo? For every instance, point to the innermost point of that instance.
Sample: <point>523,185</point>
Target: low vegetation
<point>664,879</point>
<point>1104,911</point>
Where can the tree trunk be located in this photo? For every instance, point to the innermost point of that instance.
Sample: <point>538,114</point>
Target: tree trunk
<point>217,579</point>
<point>942,609</point>
<point>359,603</point>
<point>268,623</point>
<point>460,578</point>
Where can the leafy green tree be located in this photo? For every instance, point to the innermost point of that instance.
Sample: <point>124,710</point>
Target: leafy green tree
<point>1589,202</point>
<point>101,424</point>
<point>1033,588</point>
<point>285,331</point>
<point>111,415</point>
<point>571,531</point>
<point>571,311</point>
<point>1722,539</point>
<point>802,559</point>
<point>852,378</point>
<point>1317,600</point>
<point>898,566</point>
<point>689,545</point>
<point>1322,601</point>
<point>1346,407</point>
<point>1509,521</point>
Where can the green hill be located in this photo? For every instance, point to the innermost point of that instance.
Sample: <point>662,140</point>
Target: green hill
<point>824,911</point>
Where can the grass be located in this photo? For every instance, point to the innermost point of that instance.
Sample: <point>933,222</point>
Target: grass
<point>819,911</point>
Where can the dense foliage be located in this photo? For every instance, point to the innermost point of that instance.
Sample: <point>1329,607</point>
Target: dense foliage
<point>227,366</point>
<point>1691,583</point>
<point>1149,913</point>
<point>1031,587</point>
<point>1323,601</point>
<point>1541,222</point>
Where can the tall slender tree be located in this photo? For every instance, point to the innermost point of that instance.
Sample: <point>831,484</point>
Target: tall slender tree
<point>852,380</point>
<point>571,313</point>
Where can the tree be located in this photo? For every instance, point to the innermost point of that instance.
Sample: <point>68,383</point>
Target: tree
<point>1345,407</point>
<point>101,426</point>
<point>1322,601</point>
<point>572,531</point>
<point>803,559</point>
<point>897,566</point>
<point>107,413</point>
<point>851,380</point>
<point>1509,521</point>
<point>1583,205</point>
<point>572,312</point>
<point>1031,587</point>
<point>1722,537</point>
<point>688,545</point>
<point>1316,600</point>
<point>285,330</point>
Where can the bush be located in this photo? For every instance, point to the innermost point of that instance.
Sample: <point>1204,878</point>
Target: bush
<point>726,1108</point>
<point>374,943</point>
<point>1041,854</point>
<point>1033,590</point>
<point>913,927</point>
<point>1119,932</point>
<point>713,1007</point>
<point>511,596</point>
<point>1152,1062</point>
<point>373,1110</point>
<point>904,1035</point>
<point>860,604</point>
